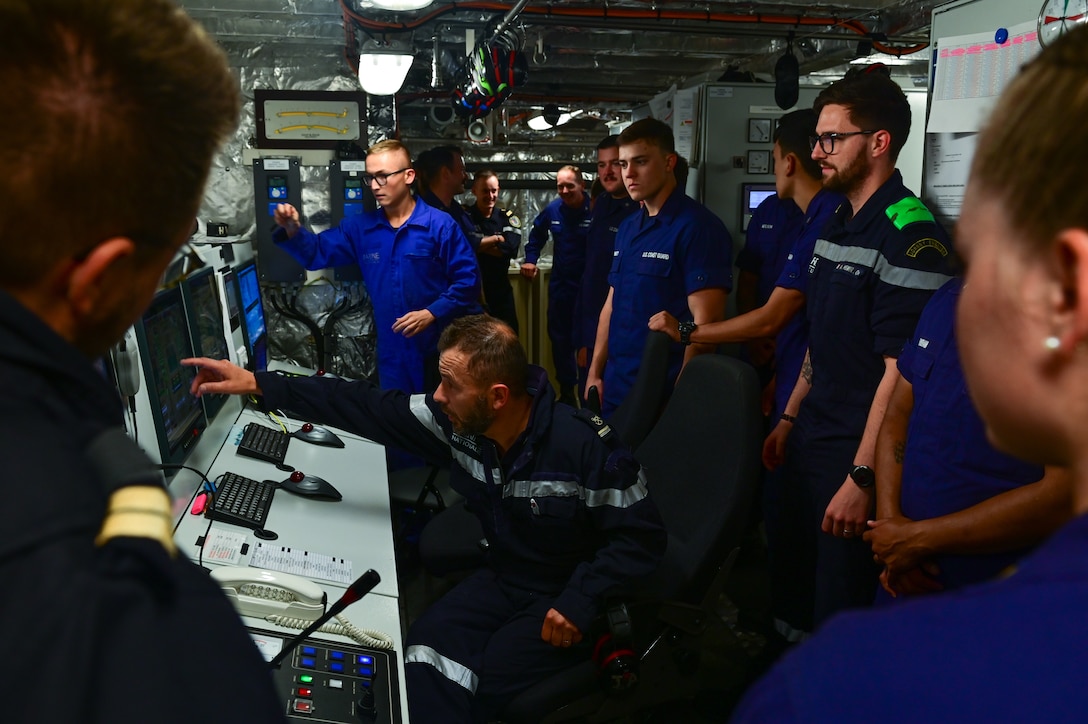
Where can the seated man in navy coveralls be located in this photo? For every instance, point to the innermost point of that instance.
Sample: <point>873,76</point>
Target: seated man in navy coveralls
<point>875,265</point>
<point>1011,650</point>
<point>126,101</point>
<point>951,509</point>
<point>674,254</point>
<point>565,511</point>
<point>416,263</point>
<point>566,220</point>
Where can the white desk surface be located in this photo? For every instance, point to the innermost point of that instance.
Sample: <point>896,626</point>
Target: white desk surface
<point>358,527</point>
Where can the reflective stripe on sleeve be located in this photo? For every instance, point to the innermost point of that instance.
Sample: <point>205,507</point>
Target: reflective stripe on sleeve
<point>418,405</point>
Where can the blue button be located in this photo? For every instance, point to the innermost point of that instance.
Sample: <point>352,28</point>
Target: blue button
<point>336,655</point>
<point>309,651</point>
<point>307,662</point>
<point>364,660</point>
<point>336,668</point>
<point>366,671</point>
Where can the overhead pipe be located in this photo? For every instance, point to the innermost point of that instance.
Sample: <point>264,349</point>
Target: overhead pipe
<point>606,12</point>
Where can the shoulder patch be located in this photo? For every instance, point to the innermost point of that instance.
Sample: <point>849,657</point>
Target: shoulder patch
<point>908,211</point>
<point>513,218</point>
<point>927,243</point>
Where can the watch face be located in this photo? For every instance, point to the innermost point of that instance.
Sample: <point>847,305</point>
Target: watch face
<point>1058,17</point>
<point>863,476</point>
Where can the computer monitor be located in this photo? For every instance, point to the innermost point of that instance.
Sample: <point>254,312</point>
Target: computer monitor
<point>163,338</point>
<point>751,196</point>
<point>230,296</point>
<point>204,310</point>
<point>256,336</point>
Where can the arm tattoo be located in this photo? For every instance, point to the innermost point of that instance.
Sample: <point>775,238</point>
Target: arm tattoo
<point>806,370</point>
<point>900,450</point>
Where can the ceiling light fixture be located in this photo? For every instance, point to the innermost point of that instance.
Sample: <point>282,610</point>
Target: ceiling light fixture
<point>383,68</point>
<point>401,5</point>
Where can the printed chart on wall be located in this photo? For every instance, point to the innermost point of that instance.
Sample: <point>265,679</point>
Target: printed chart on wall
<point>971,72</point>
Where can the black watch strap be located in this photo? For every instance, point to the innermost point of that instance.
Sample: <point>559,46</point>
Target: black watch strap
<point>863,476</point>
<point>686,328</point>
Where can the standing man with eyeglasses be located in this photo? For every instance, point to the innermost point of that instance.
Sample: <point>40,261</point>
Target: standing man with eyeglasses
<point>875,266</point>
<point>417,265</point>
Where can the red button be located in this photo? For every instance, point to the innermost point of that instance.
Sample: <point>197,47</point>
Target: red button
<point>303,706</point>
<point>303,691</point>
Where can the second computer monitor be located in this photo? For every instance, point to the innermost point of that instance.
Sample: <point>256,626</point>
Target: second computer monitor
<point>204,310</point>
<point>253,327</point>
<point>163,338</point>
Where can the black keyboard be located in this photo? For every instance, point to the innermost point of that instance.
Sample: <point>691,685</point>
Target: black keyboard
<point>264,443</point>
<point>241,501</point>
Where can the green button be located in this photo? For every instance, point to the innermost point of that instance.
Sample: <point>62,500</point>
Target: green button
<point>306,679</point>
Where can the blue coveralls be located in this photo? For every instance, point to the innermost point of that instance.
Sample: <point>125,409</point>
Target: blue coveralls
<point>425,264</point>
<point>568,228</point>
<point>949,465</point>
<point>495,270</point>
<point>604,222</point>
<point>870,277</point>
<point>567,517</point>
<point>1006,651</point>
<point>659,261</point>
<point>775,225</point>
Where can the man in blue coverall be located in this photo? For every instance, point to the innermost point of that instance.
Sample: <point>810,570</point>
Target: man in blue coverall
<point>565,511</point>
<point>875,266</point>
<point>674,254</point>
<point>417,266</point>
<point>566,219</point>
<point>951,509</point>
<point>611,206</point>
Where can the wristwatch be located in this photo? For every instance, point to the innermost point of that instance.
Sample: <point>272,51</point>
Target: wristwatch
<point>686,328</point>
<point>863,476</point>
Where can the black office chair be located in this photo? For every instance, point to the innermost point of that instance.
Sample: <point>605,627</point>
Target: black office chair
<point>702,461</point>
<point>453,540</point>
<point>636,415</point>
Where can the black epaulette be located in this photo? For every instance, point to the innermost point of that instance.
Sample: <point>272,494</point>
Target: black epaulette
<point>620,458</point>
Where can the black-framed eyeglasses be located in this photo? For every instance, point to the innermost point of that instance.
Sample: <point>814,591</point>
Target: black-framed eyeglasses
<point>382,178</point>
<point>827,140</point>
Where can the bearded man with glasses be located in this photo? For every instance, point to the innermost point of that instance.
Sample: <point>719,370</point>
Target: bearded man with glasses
<point>876,264</point>
<point>417,265</point>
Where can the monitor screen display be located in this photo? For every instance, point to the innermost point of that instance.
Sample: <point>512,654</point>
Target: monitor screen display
<point>751,196</point>
<point>205,313</point>
<point>163,336</point>
<point>249,290</point>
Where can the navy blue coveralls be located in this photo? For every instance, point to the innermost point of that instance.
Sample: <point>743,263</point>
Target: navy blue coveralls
<point>608,212</point>
<point>659,261</point>
<point>568,227</point>
<point>427,263</point>
<point>949,464</point>
<point>567,517</point>
<point>1006,651</point>
<point>870,276</point>
<point>121,632</point>
<point>495,270</point>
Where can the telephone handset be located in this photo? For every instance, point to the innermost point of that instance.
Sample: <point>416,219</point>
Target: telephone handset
<point>288,600</point>
<point>260,593</point>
